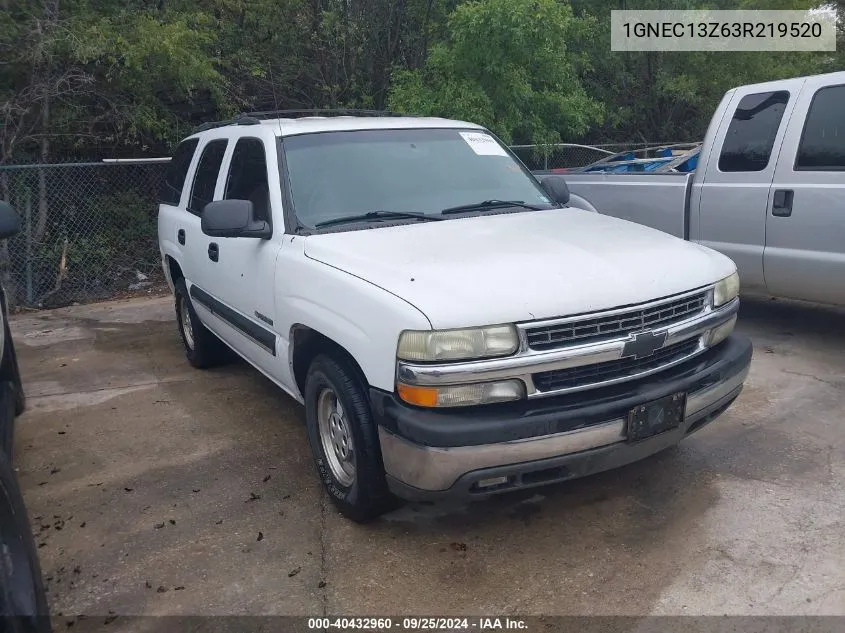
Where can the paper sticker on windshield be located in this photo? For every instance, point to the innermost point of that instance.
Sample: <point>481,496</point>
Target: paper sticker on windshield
<point>483,144</point>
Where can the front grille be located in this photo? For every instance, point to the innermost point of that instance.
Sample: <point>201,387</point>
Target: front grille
<point>595,329</point>
<point>612,370</point>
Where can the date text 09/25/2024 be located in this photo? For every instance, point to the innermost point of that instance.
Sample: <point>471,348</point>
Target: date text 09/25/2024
<point>416,624</point>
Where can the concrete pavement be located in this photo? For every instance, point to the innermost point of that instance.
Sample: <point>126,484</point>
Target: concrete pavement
<point>154,488</point>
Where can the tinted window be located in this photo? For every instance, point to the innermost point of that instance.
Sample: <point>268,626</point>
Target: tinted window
<point>823,141</point>
<point>751,134</point>
<point>336,174</point>
<point>206,176</point>
<point>177,169</point>
<point>247,178</point>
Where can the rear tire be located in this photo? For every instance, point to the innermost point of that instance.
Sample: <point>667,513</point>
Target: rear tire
<point>202,348</point>
<point>344,439</point>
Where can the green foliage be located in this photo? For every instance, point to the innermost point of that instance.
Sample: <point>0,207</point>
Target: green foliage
<point>88,258</point>
<point>148,62</point>
<point>505,65</point>
<point>94,78</point>
<point>129,225</point>
<point>651,96</point>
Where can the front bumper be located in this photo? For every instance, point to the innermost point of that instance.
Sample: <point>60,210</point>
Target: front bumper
<point>435,454</point>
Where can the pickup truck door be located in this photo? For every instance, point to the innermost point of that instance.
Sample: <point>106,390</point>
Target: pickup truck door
<point>237,286</point>
<point>737,176</point>
<point>805,224</point>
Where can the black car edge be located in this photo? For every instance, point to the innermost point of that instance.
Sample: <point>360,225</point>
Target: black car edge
<point>23,600</point>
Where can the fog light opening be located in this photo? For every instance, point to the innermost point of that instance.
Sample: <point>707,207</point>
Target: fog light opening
<point>493,482</point>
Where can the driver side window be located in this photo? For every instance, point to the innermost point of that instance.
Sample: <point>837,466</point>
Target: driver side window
<point>247,178</point>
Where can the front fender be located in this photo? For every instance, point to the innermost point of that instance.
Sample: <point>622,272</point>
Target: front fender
<point>361,317</point>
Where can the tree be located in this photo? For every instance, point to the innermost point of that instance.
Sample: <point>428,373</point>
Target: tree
<point>506,65</point>
<point>34,76</point>
<point>671,96</point>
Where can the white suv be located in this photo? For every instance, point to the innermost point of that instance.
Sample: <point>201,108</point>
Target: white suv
<point>452,327</point>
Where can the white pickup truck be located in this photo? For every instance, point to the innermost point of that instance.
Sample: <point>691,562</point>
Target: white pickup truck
<point>768,189</point>
<point>452,327</point>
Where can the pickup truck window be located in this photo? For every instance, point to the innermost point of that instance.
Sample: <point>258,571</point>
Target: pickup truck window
<point>822,146</point>
<point>174,179</point>
<point>206,177</point>
<point>247,179</point>
<point>751,134</point>
<point>337,174</point>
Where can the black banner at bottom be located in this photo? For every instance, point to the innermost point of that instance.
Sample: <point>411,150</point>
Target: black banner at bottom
<point>453,624</point>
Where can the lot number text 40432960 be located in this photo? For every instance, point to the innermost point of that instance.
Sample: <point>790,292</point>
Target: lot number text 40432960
<point>418,624</point>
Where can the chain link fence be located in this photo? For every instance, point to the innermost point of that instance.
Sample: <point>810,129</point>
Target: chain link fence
<point>88,230</point>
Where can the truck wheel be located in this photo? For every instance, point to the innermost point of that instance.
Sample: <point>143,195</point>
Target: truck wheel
<point>344,440</point>
<point>202,348</point>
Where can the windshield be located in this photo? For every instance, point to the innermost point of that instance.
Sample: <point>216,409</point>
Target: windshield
<point>339,174</point>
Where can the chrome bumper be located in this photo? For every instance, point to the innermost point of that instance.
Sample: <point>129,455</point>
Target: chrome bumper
<point>434,469</point>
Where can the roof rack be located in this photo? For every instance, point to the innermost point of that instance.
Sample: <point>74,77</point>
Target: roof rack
<point>254,118</point>
<point>296,114</point>
<point>241,119</point>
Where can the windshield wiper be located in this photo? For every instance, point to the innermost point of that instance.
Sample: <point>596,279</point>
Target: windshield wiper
<point>489,204</point>
<point>376,215</point>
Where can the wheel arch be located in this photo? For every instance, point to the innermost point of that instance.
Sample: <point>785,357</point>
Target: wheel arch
<point>173,271</point>
<point>306,344</point>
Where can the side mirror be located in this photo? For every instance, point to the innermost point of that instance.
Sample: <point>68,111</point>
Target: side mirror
<point>556,188</point>
<point>233,218</point>
<point>10,223</point>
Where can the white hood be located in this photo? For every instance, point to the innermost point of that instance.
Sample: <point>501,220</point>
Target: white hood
<point>516,267</point>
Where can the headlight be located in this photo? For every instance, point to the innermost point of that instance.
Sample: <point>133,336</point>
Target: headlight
<point>462,395</point>
<point>721,332</point>
<point>726,290</point>
<point>437,345</point>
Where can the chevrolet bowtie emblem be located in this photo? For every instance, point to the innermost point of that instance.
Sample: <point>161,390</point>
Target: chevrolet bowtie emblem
<point>644,344</point>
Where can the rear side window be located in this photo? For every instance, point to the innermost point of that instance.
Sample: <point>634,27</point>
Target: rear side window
<point>247,179</point>
<point>206,176</point>
<point>751,134</point>
<point>822,146</point>
<point>177,169</point>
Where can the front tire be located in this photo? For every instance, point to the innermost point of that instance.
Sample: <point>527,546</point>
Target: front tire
<point>202,348</point>
<point>344,439</point>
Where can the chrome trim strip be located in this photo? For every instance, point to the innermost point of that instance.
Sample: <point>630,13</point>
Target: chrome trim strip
<point>528,362</point>
<point>433,468</point>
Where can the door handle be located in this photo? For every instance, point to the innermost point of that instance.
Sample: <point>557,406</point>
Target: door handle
<point>213,251</point>
<point>782,203</point>
<point>180,236</point>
